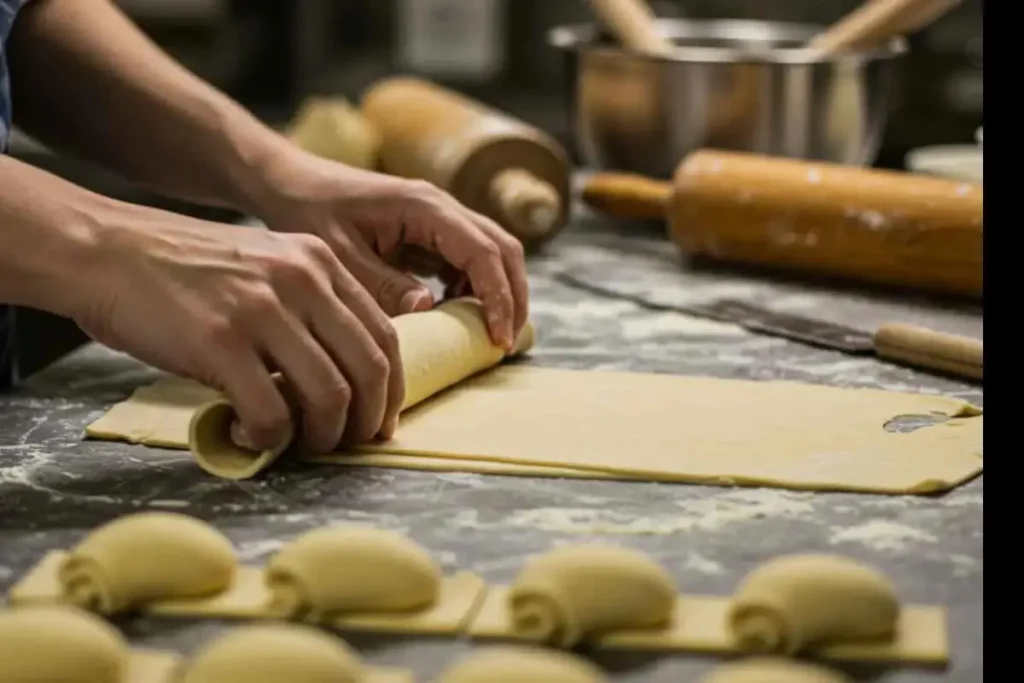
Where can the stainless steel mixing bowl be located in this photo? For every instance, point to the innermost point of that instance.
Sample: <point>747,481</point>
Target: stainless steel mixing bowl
<point>731,85</point>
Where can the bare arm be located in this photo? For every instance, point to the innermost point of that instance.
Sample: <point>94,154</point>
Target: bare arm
<point>86,80</point>
<point>48,238</point>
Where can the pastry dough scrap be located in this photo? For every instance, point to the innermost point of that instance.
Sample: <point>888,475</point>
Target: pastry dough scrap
<point>248,597</point>
<point>47,643</point>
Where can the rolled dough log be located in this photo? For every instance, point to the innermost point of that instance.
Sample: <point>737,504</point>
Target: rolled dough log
<point>283,653</point>
<point>796,602</point>
<point>579,592</point>
<point>439,348</point>
<point>334,129</point>
<point>773,670</point>
<point>343,570</point>
<point>145,557</point>
<point>59,644</point>
<point>522,665</point>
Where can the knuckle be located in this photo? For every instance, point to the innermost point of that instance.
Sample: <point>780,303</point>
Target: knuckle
<point>258,303</point>
<point>267,427</point>
<point>388,340</point>
<point>514,249</point>
<point>315,247</point>
<point>219,333</point>
<point>332,398</point>
<point>378,366</point>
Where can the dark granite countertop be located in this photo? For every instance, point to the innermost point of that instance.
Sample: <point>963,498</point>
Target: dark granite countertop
<point>54,486</point>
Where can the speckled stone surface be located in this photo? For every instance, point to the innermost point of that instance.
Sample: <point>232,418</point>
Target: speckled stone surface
<point>54,486</point>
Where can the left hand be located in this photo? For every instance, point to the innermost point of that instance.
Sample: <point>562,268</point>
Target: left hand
<point>382,227</point>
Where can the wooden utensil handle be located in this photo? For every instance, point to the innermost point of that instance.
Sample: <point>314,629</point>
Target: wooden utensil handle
<point>632,23</point>
<point>530,205</point>
<point>625,195</point>
<point>926,348</point>
<point>876,21</point>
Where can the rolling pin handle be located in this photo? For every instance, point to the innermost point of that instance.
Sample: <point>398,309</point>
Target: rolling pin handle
<point>530,205</point>
<point>954,354</point>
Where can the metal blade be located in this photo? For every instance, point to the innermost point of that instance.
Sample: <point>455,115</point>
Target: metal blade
<point>750,317</point>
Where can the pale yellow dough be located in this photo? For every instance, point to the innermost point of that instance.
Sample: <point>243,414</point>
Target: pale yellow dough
<point>773,670</point>
<point>543,422</point>
<point>578,592</point>
<point>283,653</point>
<point>798,602</point>
<point>108,571</point>
<point>522,665</point>
<point>50,644</point>
<point>700,624</point>
<point>249,597</point>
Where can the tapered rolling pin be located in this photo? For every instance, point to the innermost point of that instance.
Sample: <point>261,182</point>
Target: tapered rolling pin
<point>876,21</point>
<point>495,164</point>
<point>875,226</point>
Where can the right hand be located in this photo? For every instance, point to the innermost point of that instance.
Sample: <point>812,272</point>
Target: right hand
<point>228,305</point>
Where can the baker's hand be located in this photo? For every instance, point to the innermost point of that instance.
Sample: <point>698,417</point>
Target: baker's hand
<point>228,305</point>
<point>382,227</point>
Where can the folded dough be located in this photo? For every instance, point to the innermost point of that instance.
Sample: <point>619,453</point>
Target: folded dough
<point>439,348</point>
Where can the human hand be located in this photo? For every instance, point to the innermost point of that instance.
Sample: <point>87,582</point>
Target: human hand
<point>229,305</point>
<point>383,227</point>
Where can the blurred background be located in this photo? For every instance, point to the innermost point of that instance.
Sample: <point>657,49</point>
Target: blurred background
<point>271,54</point>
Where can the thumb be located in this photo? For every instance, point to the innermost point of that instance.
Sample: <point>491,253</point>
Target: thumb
<point>396,292</point>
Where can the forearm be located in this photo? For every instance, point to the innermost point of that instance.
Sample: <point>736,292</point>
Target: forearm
<point>87,81</point>
<point>48,238</point>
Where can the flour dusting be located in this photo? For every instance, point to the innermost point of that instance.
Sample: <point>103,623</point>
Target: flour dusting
<point>881,535</point>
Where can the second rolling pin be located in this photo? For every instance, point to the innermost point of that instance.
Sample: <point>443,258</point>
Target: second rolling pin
<point>882,227</point>
<point>494,164</point>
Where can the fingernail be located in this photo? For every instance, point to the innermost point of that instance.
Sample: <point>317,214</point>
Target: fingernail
<point>239,436</point>
<point>388,430</point>
<point>416,300</point>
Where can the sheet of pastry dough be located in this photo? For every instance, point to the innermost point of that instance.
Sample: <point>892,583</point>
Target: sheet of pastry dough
<point>516,419</point>
<point>248,598</point>
<point>701,625</point>
<point>152,666</point>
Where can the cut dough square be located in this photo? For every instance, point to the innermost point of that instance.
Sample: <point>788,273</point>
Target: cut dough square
<point>248,598</point>
<point>530,421</point>
<point>701,626</point>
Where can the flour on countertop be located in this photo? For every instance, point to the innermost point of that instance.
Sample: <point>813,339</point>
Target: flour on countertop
<point>881,535</point>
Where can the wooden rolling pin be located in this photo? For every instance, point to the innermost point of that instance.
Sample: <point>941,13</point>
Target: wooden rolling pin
<point>633,24</point>
<point>499,166</point>
<point>883,227</point>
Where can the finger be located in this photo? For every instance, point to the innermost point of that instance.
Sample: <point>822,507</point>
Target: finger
<point>356,298</point>
<point>448,230</point>
<point>322,391</point>
<point>263,415</point>
<point>363,362</point>
<point>395,292</point>
<point>515,268</point>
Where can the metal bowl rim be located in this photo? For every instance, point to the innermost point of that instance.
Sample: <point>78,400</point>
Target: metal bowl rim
<point>580,37</point>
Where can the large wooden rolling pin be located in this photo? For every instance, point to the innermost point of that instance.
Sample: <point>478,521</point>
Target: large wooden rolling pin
<point>439,348</point>
<point>875,226</point>
<point>494,164</point>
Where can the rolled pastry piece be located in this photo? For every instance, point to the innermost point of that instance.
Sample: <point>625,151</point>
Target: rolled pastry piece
<point>773,670</point>
<point>798,602</point>
<point>275,653</point>
<point>331,127</point>
<point>146,557</point>
<point>577,592</point>
<point>345,570</point>
<point>522,665</point>
<point>439,348</point>
<point>60,644</point>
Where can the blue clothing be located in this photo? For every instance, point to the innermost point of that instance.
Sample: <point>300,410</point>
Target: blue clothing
<point>8,9</point>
